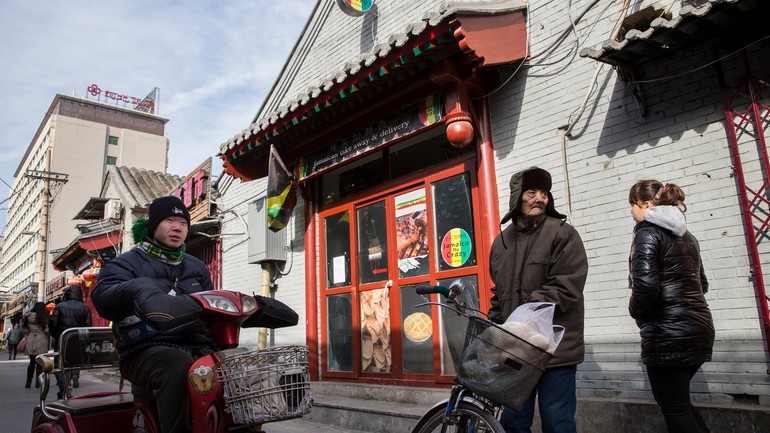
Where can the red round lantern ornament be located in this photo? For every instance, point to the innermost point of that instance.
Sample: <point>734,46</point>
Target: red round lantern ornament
<point>459,129</point>
<point>90,275</point>
<point>76,281</point>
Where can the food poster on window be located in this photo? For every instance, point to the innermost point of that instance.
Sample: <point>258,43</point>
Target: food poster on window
<point>412,233</point>
<point>416,332</point>
<point>376,353</point>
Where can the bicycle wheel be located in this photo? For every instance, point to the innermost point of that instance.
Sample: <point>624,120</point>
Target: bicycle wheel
<point>468,418</point>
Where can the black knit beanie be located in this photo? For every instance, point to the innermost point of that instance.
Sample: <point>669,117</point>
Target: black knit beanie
<point>162,208</point>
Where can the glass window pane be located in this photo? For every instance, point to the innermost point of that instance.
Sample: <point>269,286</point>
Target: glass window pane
<point>416,332</point>
<point>453,326</point>
<point>352,177</point>
<point>376,352</point>
<point>339,330</point>
<point>337,231</point>
<point>372,243</point>
<point>412,233</point>
<point>408,157</point>
<point>112,139</point>
<point>453,212</point>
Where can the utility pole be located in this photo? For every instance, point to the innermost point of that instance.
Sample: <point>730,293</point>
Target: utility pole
<point>42,246</point>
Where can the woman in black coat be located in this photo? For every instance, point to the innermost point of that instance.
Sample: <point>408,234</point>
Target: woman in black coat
<point>668,284</point>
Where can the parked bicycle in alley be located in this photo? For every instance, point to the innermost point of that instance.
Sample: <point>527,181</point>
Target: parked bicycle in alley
<point>497,368</point>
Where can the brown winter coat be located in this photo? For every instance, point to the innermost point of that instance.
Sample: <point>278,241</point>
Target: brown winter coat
<point>542,259</point>
<point>38,339</point>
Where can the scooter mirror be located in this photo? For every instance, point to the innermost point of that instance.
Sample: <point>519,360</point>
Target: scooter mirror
<point>271,314</point>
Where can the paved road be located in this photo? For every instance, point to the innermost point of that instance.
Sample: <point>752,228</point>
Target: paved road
<point>17,402</point>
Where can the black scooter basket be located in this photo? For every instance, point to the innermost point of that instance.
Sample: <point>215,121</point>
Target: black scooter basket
<point>499,365</point>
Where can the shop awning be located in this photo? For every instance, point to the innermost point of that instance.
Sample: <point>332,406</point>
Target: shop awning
<point>730,25</point>
<point>108,238</point>
<point>92,210</point>
<point>105,240</point>
<point>471,35</point>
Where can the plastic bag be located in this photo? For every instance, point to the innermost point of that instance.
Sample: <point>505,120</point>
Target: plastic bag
<point>533,322</point>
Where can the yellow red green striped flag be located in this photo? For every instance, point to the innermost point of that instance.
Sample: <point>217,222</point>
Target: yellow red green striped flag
<point>281,192</point>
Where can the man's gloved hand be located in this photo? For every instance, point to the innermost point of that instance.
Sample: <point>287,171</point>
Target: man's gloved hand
<point>164,312</point>
<point>272,314</point>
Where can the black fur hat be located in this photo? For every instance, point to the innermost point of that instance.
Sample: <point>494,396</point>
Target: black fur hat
<point>531,178</point>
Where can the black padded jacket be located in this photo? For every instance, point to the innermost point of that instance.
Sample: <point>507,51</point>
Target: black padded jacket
<point>69,313</point>
<point>136,270</point>
<point>668,283</point>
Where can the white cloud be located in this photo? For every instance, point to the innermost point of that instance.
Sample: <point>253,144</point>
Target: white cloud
<point>214,62</point>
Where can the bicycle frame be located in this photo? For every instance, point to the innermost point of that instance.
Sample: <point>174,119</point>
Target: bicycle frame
<point>463,408</point>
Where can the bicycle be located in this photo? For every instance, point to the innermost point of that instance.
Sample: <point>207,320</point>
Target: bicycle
<point>496,369</point>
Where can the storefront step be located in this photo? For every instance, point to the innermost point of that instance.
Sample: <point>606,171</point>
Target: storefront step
<point>371,408</point>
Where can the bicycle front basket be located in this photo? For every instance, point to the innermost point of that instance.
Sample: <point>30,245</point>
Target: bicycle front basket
<point>499,365</point>
<point>266,385</point>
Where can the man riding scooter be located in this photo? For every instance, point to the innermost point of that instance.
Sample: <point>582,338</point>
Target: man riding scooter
<point>149,284</point>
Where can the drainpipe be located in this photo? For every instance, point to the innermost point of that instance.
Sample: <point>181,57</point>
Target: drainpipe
<point>267,268</point>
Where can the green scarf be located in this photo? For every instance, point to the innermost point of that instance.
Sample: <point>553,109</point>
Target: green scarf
<point>172,257</point>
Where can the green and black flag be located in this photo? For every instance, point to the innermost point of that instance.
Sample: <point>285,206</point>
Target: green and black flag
<point>281,192</point>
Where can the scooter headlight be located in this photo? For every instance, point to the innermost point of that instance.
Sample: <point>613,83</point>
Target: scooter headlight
<point>220,303</point>
<point>249,303</point>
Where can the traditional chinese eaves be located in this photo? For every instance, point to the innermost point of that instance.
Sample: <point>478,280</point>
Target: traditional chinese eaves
<point>729,24</point>
<point>474,34</point>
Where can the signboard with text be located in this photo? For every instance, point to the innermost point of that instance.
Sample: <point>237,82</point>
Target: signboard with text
<point>194,191</point>
<point>411,119</point>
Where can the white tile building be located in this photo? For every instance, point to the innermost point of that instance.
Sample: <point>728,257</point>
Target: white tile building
<point>82,138</point>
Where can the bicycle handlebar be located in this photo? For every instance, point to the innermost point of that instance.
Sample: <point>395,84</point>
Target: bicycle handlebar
<point>427,290</point>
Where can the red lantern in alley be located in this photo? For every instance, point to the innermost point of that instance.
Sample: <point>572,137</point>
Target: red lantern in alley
<point>49,307</point>
<point>90,275</point>
<point>76,281</point>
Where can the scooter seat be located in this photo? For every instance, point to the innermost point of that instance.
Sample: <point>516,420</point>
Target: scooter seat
<point>94,403</point>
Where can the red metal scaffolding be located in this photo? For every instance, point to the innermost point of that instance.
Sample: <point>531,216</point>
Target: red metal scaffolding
<point>747,123</point>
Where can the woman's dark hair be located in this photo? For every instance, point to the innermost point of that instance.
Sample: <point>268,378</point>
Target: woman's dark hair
<point>658,194</point>
<point>41,314</point>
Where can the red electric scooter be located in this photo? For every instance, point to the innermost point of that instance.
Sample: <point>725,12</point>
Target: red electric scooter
<point>231,390</point>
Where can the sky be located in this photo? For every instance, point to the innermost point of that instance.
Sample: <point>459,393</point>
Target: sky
<point>214,62</point>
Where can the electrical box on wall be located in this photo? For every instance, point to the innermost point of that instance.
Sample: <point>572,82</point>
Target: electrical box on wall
<point>264,244</point>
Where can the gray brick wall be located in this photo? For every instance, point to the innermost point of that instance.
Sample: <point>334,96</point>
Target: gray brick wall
<point>682,139</point>
<point>239,275</point>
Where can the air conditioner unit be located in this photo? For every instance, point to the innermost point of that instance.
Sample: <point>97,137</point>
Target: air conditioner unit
<point>113,210</point>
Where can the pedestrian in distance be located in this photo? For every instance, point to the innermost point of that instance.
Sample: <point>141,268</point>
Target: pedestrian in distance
<point>35,326</point>
<point>13,337</point>
<point>541,258</point>
<point>668,286</point>
<point>71,312</point>
<point>152,281</point>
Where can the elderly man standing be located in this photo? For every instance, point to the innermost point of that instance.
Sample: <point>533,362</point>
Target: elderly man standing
<point>541,258</point>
